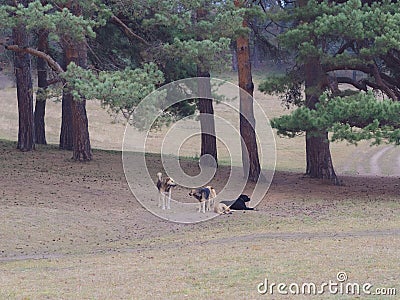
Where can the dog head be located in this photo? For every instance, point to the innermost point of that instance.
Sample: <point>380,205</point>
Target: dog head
<point>226,210</point>
<point>222,209</point>
<point>195,193</point>
<point>170,182</point>
<point>244,198</point>
<point>167,182</point>
<point>200,193</point>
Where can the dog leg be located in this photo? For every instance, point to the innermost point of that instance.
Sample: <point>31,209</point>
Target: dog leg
<point>163,201</point>
<point>210,204</point>
<point>204,206</point>
<point>159,199</point>
<point>169,200</point>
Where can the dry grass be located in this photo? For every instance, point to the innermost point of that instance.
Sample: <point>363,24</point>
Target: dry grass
<point>230,270</point>
<point>74,231</point>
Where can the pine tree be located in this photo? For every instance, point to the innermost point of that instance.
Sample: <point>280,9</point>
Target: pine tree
<point>185,39</point>
<point>22,66</point>
<point>205,104</point>
<point>40,105</point>
<point>250,160</point>
<point>35,15</point>
<point>330,38</point>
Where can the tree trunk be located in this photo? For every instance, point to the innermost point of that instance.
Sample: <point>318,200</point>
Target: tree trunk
<point>319,160</point>
<point>82,149</point>
<point>66,134</point>
<point>205,106</point>
<point>250,160</point>
<point>77,52</point>
<point>22,65</point>
<point>318,154</point>
<point>234,59</point>
<point>207,124</point>
<point>40,106</point>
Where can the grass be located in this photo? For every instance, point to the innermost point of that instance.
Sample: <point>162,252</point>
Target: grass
<point>74,231</point>
<point>96,253</point>
<point>173,274</point>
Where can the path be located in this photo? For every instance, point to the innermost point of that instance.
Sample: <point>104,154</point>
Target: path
<point>373,161</point>
<point>225,240</point>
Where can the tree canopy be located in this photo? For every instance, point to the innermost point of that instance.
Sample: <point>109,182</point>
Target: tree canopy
<point>152,42</point>
<point>343,36</point>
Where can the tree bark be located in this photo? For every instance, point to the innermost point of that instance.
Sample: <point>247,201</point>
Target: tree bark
<point>250,159</point>
<point>22,65</point>
<point>234,59</point>
<point>207,124</point>
<point>27,50</point>
<point>76,51</point>
<point>319,160</point>
<point>66,134</point>
<point>318,155</point>
<point>205,106</point>
<point>40,106</point>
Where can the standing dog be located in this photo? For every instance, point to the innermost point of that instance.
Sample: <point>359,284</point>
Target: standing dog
<point>205,195</point>
<point>164,187</point>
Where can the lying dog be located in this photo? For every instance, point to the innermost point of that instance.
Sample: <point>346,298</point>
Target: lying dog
<point>205,195</point>
<point>239,203</point>
<point>222,209</point>
<point>165,187</point>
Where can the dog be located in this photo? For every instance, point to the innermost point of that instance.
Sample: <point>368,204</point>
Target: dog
<point>239,203</point>
<point>205,195</point>
<point>222,209</point>
<point>165,187</point>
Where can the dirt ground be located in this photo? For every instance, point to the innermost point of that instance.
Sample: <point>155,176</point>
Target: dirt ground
<point>74,230</point>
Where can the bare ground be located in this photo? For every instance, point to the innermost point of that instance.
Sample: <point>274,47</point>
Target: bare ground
<point>75,231</point>
<point>71,230</point>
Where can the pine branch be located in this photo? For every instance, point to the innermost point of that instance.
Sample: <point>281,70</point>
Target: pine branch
<point>338,67</point>
<point>394,55</point>
<point>117,21</point>
<point>93,53</point>
<point>344,47</point>
<point>383,86</point>
<point>53,81</point>
<point>371,69</point>
<point>360,85</point>
<point>50,61</point>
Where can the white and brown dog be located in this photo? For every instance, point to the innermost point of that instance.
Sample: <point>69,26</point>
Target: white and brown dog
<point>222,209</point>
<point>165,187</point>
<point>205,195</point>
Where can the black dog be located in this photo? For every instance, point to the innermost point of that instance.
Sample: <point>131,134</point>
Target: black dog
<point>239,203</point>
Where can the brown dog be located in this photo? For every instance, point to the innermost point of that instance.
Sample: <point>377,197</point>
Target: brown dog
<point>205,195</point>
<point>222,209</point>
<point>165,187</point>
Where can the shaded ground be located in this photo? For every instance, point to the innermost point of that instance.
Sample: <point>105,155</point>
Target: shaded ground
<point>72,230</point>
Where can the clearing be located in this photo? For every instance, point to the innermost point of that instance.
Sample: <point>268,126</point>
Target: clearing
<point>74,231</point>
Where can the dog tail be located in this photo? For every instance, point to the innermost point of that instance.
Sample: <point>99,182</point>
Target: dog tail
<point>159,175</point>
<point>213,193</point>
